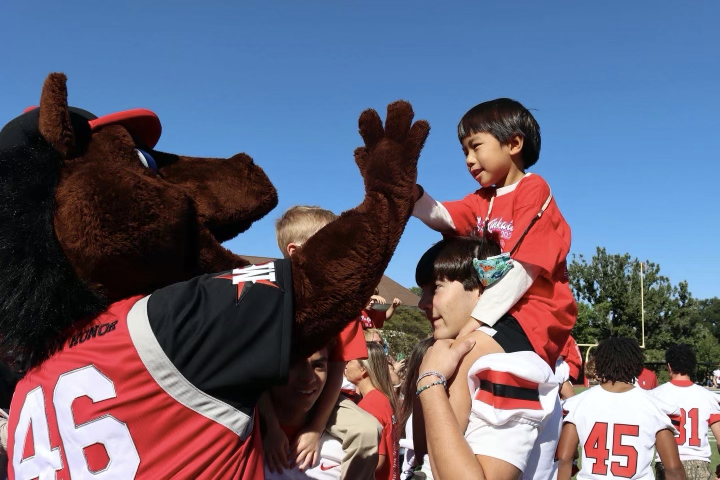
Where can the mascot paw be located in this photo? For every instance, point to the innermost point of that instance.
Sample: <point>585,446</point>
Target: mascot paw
<point>391,152</point>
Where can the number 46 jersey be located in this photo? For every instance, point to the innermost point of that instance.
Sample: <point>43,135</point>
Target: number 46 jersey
<point>617,431</point>
<point>698,409</point>
<point>159,387</point>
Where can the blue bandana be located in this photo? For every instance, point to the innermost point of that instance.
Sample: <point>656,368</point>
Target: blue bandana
<point>493,269</point>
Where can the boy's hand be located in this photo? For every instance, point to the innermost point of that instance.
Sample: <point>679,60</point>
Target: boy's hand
<point>396,301</point>
<point>276,448</point>
<point>378,299</point>
<point>306,448</point>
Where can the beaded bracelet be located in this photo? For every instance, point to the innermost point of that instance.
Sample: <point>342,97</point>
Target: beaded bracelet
<point>427,374</point>
<point>440,382</point>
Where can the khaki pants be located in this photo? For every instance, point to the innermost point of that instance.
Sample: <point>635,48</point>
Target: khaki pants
<point>694,470</point>
<point>359,433</point>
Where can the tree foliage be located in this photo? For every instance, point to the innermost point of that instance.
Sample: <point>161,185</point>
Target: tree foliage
<point>607,289</point>
<point>405,328</point>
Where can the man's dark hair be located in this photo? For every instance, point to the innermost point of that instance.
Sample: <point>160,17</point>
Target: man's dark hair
<point>452,259</point>
<point>504,118</point>
<point>681,358</point>
<point>618,359</point>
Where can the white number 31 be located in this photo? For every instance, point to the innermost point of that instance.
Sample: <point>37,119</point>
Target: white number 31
<point>107,430</point>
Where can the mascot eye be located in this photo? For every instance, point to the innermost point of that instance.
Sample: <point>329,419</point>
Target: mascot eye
<point>147,160</point>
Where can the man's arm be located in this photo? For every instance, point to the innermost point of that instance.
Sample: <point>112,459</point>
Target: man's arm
<point>567,390</point>
<point>715,428</point>
<point>566,449</point>
<point>666,447</point>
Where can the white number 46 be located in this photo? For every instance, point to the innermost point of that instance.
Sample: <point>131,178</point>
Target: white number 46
<point>107,430</point>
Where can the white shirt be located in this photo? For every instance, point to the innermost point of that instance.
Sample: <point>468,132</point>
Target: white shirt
<point>617,431</point>
<point>326,468</point>
<point>698,409</point>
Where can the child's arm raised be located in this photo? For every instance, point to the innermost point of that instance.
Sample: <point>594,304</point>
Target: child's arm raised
<point>329,291</point>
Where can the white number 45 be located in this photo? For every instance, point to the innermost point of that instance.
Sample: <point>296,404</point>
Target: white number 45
<point>107,430</point>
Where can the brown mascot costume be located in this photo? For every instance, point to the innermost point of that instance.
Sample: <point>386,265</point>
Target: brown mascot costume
<point>146,343</point>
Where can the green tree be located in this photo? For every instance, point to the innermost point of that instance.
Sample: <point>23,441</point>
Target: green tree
<point>607,289</point>
<point>405,328</point>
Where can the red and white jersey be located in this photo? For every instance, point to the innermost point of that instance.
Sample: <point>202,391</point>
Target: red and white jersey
<point>547,310</point>
<point>617,431</point>
<point>327,467</point>
<point>698,409</point>
<point>159,387</point>
<point>514,396</point>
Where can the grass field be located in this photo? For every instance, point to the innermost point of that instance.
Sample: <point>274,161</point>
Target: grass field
<point>714,457</point>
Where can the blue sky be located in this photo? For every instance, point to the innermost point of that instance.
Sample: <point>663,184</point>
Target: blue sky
<point>626,94</point>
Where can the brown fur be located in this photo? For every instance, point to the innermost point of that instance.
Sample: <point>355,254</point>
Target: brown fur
<point>127,230</point>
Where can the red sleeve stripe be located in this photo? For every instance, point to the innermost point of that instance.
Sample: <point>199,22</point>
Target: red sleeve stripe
<point>506,378</point>
<point>714,418</point>
<point>675,420</point>
<point>505,403</point>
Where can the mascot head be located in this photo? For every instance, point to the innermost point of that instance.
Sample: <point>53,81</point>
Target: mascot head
<point>91,213</point>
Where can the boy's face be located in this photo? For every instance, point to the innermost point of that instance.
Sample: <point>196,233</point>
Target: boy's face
<point>488,161</point>
<point>448,307</point>
<point>306,380</point>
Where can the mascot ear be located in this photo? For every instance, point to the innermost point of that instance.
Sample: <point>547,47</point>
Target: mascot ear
<point>54,124</point>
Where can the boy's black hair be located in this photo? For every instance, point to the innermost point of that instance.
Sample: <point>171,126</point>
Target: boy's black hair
<point>681,358</point>
<point>452,259</point>
<point>618,359</point>
<point>504,118</point>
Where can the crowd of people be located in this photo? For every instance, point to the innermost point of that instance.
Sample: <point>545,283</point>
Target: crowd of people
<point>490,394</point>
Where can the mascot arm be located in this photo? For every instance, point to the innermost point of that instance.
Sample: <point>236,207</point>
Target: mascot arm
<point>228,334</point>
<point>337,269</point>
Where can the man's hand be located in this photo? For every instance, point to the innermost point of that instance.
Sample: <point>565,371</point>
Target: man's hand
<point>445,355</point>
<point>276,448</point>
<point>306,448</point>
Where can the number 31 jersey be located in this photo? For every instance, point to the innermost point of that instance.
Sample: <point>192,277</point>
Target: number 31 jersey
<point>159,387</point>
<point>698,409</point>
<point>617,431</point>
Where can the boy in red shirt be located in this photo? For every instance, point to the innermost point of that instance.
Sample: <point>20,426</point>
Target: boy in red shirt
<point>371,318</point>
<point>500,140</point>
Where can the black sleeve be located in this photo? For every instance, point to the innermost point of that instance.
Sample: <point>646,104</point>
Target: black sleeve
<point>228,334</point>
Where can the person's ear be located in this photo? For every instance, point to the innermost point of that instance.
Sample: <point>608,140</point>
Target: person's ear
<point>291,248</point>
<point>515,144</point>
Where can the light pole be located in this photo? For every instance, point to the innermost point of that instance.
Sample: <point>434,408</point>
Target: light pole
<point>642,305</point>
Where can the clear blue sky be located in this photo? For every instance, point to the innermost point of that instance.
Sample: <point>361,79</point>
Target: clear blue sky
<point>626,94</point>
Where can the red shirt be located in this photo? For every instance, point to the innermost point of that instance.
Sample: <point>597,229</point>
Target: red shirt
<point>547,311</point>
<point>130,392</point>
<point>350,344</point>
<point>647,379</point>
<point>371,318</point>
<point>571,354</point>
<point>378,405</point>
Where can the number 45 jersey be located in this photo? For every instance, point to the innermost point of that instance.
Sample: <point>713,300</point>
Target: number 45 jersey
<point>698,409</point>
<point>159,387</point>
<point>617,431</point>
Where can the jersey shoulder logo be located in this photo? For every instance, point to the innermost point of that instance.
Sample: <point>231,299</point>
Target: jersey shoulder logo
<point>244,277</point>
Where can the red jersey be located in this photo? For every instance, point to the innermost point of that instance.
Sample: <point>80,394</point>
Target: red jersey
<point>547,311</point>
<point>647,379</point>
<point>350,344</point>
<point>371,318</point>
<point>159,387</point>
<point>378,405</point>
<point>571,354</point>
